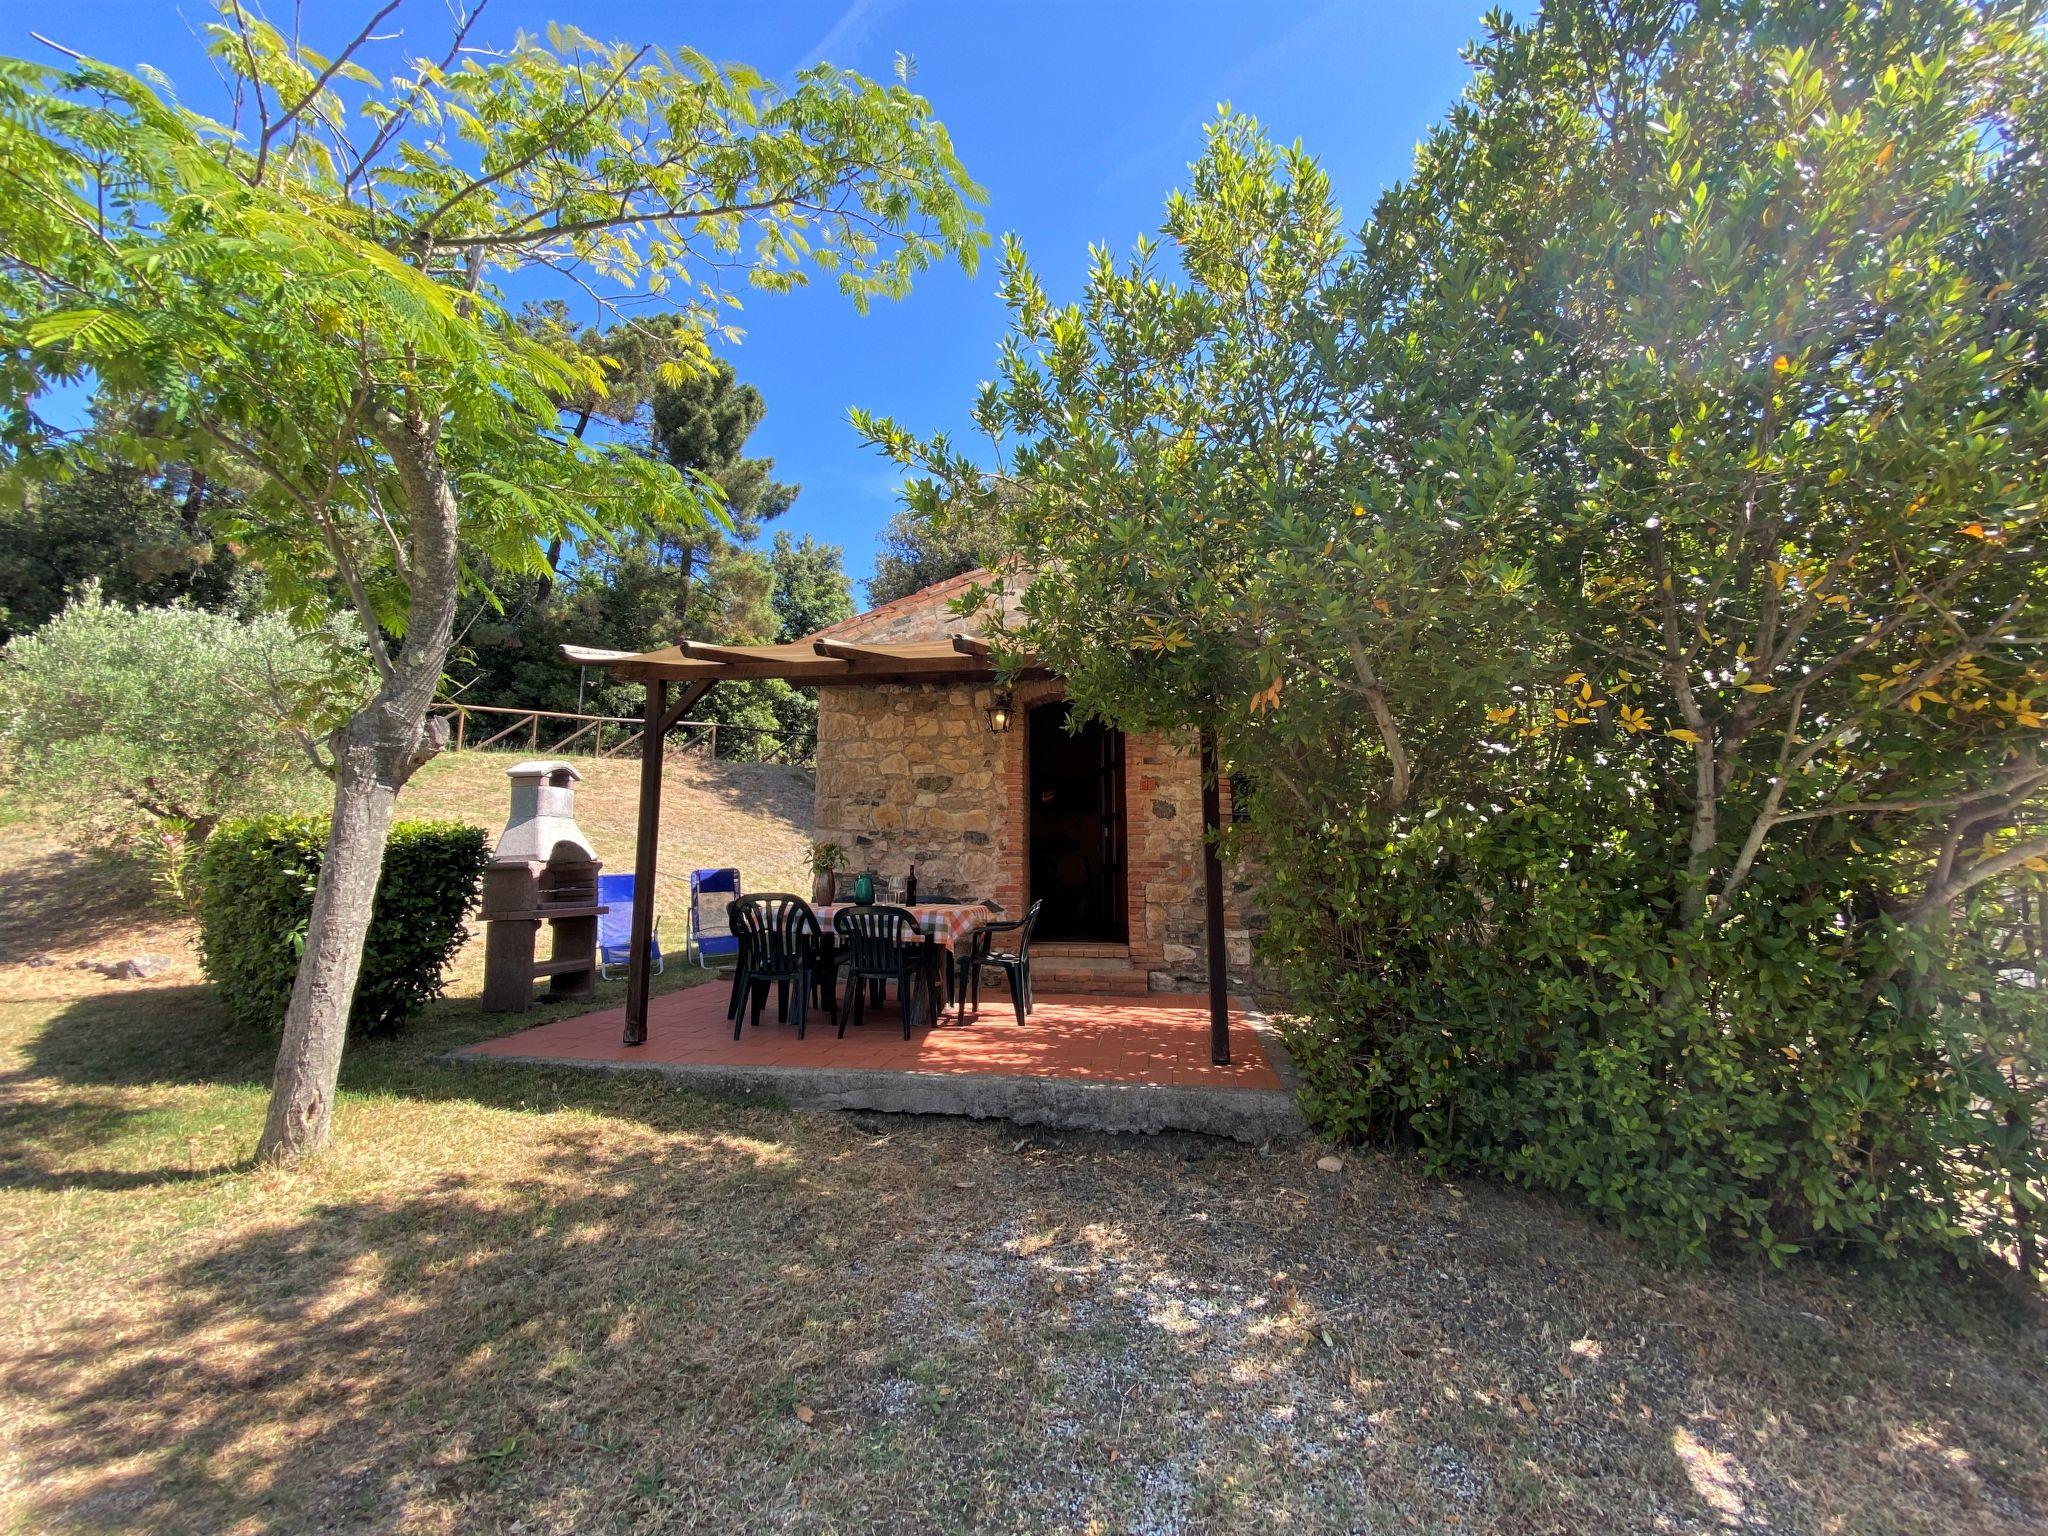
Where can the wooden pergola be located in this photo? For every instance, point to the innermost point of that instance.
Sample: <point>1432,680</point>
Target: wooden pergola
<point>679,676</point>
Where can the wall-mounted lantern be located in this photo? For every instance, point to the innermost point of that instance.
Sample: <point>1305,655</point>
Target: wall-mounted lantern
<point>999,711</point>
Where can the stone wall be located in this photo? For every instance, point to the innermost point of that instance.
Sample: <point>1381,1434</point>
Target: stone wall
<point>914,774</point>
<point>910,774</point>
<point>1163,798</point>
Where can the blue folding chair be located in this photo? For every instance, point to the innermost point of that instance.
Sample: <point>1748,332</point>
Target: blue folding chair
<point>615,928</point>
<point>711,935</point>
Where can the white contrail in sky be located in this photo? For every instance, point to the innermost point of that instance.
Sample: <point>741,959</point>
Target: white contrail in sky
<point>853,28</point>
<point>1307,32</point>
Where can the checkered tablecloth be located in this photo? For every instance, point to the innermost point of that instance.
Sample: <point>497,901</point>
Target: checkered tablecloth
<point>949,923</point>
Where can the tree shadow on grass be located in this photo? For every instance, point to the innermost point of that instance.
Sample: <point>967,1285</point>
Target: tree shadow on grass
<point>71,897</point>
<point>174,1036</point>
<point>609,1330</point>
<point>147,1037</point>
<point>43,1139</point>
<point>335,1370</point>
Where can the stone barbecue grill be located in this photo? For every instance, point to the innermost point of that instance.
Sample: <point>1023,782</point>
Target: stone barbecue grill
<point>543,871</point>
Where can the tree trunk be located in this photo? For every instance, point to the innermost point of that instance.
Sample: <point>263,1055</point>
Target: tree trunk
<point>1706,833</point>
<point>556,544</point>
<point>375,753</point>
<point>316,1023</point>
<point>190,507</point>
<point>684,567</point>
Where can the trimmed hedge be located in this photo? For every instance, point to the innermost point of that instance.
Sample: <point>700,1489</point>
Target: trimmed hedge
<point>256,882</point>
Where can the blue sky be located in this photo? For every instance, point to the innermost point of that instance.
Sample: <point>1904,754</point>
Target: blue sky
<point>1077,117</point>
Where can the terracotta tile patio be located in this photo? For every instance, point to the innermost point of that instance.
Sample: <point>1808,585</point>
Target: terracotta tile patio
<point>1160,1040</point>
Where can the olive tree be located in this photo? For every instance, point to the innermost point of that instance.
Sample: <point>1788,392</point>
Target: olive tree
<point>121,717</point>
<point>310,285</point>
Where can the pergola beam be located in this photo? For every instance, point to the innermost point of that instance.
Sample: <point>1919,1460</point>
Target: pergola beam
<point>688,696</point>
<point>851,651</point>
<point>824,662</point>
<point>704,650</point>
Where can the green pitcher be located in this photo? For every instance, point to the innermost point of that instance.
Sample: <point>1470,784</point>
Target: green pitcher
<point>864,889</point>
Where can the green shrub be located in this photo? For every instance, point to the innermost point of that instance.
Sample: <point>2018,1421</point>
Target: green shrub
<point>1501,987</point>
<point>256,883</point>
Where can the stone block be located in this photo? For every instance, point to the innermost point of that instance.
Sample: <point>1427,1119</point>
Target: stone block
<point>134,967</point>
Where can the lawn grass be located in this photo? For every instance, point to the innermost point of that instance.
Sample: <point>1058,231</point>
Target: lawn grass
<point>514,1299</point>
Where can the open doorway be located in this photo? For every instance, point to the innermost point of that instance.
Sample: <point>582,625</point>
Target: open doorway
<point>1076,791</point>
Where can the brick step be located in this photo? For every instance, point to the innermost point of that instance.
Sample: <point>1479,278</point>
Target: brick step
<point>1076,950</point>
<point>1047,961</point>
<point>1131,984</point>
<point>1086,973</point>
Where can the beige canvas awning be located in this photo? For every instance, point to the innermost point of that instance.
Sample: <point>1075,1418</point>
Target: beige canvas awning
<point>823,662</point>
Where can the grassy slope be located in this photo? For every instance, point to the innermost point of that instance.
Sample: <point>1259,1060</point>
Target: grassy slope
<point>756,816</point>
<point>551,1302</point>
<point>76,905</point>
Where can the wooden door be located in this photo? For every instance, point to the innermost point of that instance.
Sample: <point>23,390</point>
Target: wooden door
<point>1110,781</point>
<point>1076,828</point>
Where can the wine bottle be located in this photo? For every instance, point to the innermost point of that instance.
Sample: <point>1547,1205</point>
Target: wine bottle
<point>910,888</point>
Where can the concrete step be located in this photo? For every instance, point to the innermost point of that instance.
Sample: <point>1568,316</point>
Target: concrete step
<point>1049,965</point>
<point>1057,970</point>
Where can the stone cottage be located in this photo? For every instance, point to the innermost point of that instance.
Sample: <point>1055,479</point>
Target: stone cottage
<point>1105,828</point>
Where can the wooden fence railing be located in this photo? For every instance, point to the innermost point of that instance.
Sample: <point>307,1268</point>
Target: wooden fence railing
<point>473,727</point>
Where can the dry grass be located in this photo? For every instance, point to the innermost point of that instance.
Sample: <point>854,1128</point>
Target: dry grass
<point>516,1300</point>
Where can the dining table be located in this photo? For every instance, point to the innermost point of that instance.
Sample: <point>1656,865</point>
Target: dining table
<point>946,925</point>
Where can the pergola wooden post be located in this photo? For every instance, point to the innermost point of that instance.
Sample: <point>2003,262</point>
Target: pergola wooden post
<point>638,971</point>
<point>656,720</point>
<point>1212,902</point>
